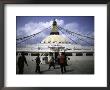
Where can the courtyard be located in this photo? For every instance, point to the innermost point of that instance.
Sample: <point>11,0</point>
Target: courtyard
<point>76,65</point>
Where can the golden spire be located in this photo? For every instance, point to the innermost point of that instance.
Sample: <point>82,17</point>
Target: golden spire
<point>54,28</point>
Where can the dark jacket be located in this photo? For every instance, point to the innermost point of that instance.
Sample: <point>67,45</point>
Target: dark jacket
<point>37,60</point>
<point>21,61</point>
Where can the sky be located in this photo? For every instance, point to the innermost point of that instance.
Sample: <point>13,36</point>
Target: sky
<point>28,25</point>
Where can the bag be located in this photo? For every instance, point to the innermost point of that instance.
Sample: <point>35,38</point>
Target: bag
<point>50,61</point>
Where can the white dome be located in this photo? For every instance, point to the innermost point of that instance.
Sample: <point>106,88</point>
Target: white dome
<point>54,39</point>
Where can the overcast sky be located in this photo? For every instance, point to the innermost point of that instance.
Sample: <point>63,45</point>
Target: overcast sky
<point>27,25</point>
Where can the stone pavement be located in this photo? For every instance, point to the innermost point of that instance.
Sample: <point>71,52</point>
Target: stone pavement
<point>75,66</point>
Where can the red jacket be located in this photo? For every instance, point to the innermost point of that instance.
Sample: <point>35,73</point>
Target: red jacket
<point>62,59</point>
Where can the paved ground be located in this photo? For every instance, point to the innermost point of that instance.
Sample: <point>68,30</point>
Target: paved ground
<point>76,65</point>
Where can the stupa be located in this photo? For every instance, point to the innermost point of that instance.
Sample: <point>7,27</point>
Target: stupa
<point>56,43</point>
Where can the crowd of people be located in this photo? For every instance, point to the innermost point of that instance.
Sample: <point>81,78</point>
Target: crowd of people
<point>60,60</point>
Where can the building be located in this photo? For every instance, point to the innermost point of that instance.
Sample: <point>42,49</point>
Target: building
<point>55,43</point>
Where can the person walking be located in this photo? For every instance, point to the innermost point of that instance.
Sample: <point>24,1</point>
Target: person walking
<point>46,59</point>
<point>37,64</point>
<point>66,63</point>
<point>21,61</point>
<point>62,63</point>
<point>52,62</point>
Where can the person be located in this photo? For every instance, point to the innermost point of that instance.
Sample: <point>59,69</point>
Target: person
<point>52,62</point>
<point>65,60</point>
<point>21,61</point>
<point>58,59</point>
<point>46,59</point>
<point>62,63</point>
<point>37,64</point>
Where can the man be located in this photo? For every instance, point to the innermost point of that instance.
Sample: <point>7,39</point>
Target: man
<point>21,61</point>
<point>37,64</point>
<point>52,62</point>
<point>62,63</point>
<point>65,60</point>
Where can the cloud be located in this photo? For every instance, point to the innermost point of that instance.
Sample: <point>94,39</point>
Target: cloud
<point>75,27</point>
<point>34,27</point>
<point>60,22</point>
